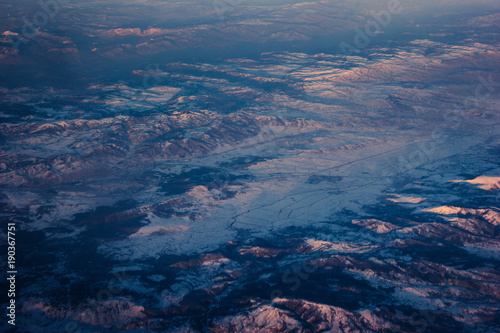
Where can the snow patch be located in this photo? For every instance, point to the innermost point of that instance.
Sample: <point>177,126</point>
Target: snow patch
<point>484,182</point>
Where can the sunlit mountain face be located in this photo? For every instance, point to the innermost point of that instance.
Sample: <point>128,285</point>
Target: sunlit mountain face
<point>250,166</point>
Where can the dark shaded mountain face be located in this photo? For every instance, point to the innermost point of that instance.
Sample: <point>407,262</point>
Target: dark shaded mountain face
<point>237,166</point>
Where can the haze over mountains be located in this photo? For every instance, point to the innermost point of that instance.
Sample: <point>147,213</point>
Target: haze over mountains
<point>194,166</point>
